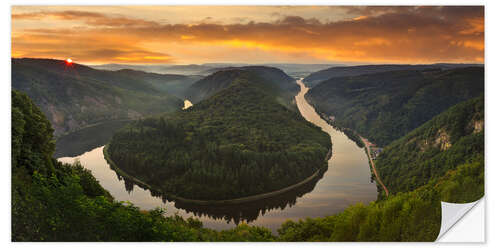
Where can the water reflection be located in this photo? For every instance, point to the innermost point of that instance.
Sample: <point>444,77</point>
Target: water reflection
<point>245,212</point>
<point>86,139</point>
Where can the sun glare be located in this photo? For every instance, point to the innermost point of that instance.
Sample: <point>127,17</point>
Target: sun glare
<point>69,61</point>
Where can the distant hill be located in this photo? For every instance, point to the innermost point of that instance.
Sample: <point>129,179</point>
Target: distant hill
<point>210,68</point>
<point>315,78</point>
<point>238,142</point>
<point>289,68</point>
<point>450,139</point>
<point>171,83</point>
<point>191,69</point>
<point>212,84</point>
<point>385,106</point>
<point>295,68</point>
<point>75,96</point>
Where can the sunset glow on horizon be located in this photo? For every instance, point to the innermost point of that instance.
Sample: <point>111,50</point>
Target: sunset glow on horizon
<point>250,34</point>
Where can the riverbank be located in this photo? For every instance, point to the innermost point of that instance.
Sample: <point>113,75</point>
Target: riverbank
<point>372,164</point>
<point>359,140</point>
<point>215,202</point>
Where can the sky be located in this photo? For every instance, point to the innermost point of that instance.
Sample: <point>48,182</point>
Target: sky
<point>249,34</point>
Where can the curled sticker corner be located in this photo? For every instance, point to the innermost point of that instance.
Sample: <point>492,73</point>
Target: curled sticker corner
<point>451,213</point>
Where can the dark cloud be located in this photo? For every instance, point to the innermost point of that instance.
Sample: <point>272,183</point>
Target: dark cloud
<point>296,20</point>
<point>381,33</point>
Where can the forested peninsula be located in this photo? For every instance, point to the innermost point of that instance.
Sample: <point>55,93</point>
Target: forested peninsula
<point>242,141</point>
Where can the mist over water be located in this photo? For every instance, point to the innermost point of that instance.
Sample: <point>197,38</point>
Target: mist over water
<point>347,181</point>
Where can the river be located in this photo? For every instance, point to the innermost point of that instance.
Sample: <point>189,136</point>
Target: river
<point>347,181</point>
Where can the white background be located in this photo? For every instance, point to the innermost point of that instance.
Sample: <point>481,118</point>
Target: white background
<point>469,228</point>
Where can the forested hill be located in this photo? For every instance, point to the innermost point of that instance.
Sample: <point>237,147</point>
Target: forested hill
<point>237,143</point>
<point>212,84</point>
<point>74,96</point>
<point>450,139</point>
<point>315,78</point>
<point>191,69</point>
<point>386,106</point>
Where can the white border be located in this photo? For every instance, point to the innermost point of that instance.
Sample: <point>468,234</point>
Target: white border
<point>492,121</point>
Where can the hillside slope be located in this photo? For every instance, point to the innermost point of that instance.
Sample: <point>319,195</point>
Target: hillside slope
<point>386,106</point>
<point>450,139</point>
<point>237,143</point>
<point>317,77</point>
<point>74,96</point>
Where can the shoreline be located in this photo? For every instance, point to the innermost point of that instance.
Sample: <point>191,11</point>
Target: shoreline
<point>367,151</point>
<point>373,169</point>
<point>372,164</point>
<point>215,202</point>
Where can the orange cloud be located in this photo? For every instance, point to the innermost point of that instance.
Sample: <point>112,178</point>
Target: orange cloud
<point>89,18</point>
<point>359,18</point>
<point>84,47</point>
<point>378,34</point>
